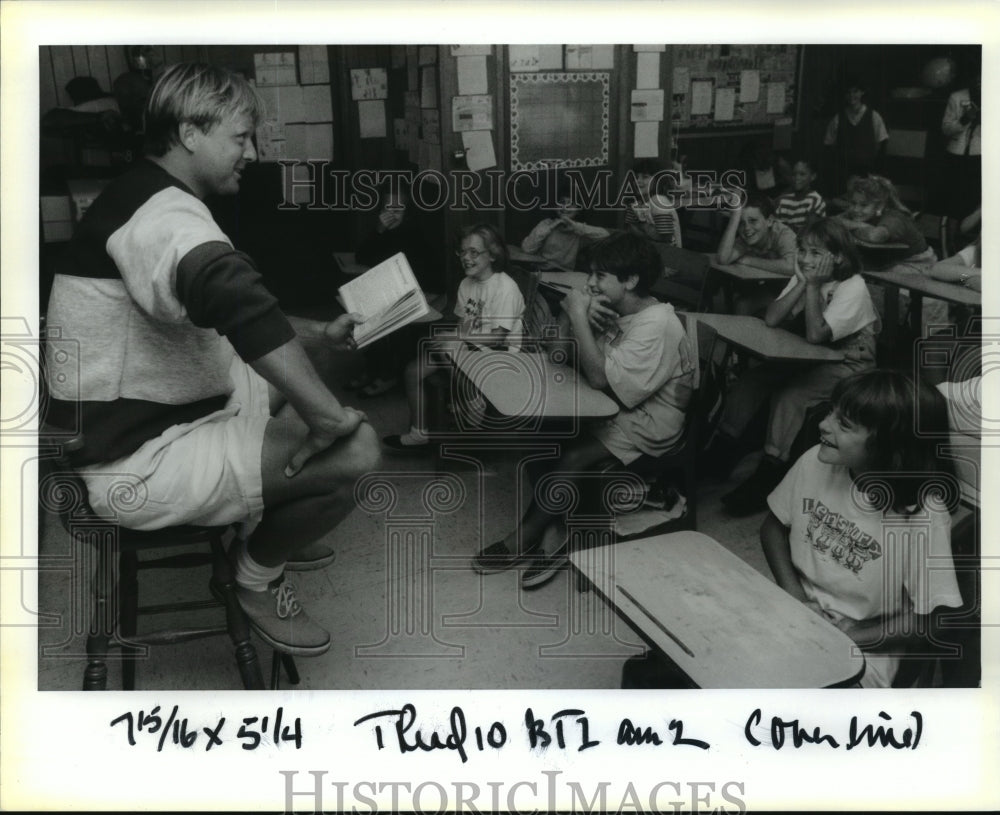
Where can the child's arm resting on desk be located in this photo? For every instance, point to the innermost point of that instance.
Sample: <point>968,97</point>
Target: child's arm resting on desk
<point>784,263</point>
<point>778,553</point>
<point>728,251</point>
<point>865,231</point>
<point>781,265</point>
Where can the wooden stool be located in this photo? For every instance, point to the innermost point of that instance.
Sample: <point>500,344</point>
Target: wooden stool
<point>115,609</point>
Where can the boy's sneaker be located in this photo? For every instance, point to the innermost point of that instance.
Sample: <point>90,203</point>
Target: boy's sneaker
<point>544,568</point>
<point>498,558</point>
<point>277,617</point>
<point>313,555</point>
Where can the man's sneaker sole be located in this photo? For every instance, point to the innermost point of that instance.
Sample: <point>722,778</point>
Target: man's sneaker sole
<point>285,648</point>
<point>311,565</point>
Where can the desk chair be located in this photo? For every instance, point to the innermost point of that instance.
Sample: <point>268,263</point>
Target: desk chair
<point>685,277</point>
<point>934,228</point>
<point>703,413</point>
<point>536,310</point>
<point>115,611</point>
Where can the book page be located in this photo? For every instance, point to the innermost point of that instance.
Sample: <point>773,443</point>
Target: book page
<point>387,296</point>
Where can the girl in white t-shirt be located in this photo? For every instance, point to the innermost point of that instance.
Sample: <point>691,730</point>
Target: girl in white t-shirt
<point>827,294</point>
<point>489,307</point>
<point>859,528</point>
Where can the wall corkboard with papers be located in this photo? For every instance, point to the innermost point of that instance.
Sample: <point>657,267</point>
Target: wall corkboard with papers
<point>719,89</point>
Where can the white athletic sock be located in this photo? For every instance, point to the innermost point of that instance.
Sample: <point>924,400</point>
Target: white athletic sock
<point>415,436</point>
<point>250,574</point>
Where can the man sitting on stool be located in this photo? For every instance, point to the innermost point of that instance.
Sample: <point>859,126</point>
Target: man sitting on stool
<point>157,299</point>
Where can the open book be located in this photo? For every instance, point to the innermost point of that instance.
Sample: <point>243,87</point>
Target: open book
<point>387,296</point>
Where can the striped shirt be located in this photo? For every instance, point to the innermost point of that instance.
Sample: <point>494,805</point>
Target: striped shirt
<point>794,210</point>
<point>658,213</point>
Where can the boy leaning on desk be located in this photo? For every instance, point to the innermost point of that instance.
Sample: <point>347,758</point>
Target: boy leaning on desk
<point>627,341</point>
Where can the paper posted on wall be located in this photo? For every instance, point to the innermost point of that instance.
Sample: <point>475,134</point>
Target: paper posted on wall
<point>387,296</point>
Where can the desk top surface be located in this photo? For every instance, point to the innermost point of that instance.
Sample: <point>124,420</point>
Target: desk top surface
<point>718,618</point>
<point>743,272</point>
<point>756,337</point>
<point>518,255</point>
<point>564,281</point>
<point>886,245</point>
<point>522,384</point>
<point>938,289</point>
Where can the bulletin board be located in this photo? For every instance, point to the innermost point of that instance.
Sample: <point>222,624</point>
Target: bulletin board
<point>559,117</point>
<point>746,87</point>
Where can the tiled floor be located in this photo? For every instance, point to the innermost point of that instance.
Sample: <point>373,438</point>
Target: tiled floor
<point>423,620</point>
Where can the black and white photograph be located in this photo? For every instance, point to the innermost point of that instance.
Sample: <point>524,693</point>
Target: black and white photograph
<point>404,425</point>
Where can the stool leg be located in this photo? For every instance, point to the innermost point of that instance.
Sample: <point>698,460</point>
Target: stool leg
<point>95,677</point>
<point>236,619</point>
<point>275,670</point>
<point>293,672</point>
<point>128,613</point>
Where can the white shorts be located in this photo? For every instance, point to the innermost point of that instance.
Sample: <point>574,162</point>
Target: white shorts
<point>205,473</point>
<point>613,437</point>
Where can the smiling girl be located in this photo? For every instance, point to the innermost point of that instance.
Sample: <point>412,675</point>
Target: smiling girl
<point>825,536</point>
<point>489,307</point>
<point>829,295</point>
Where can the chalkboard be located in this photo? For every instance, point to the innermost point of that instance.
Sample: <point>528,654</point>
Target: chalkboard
<point>722,88</point>
<point>559,118</point>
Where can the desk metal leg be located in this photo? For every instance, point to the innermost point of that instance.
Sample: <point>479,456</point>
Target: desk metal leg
<point>916,313</point>
<point>890,331</point>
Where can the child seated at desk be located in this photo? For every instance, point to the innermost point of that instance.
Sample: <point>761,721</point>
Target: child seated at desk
<point>559,238</point>
<point>754,237</point>
<point>489,306</point>
<point>829,293</point>
<point>626,340</point>
<point>803,203</point>
<point>825,536</point>
<point>876,215</point>
<point>654,215</point>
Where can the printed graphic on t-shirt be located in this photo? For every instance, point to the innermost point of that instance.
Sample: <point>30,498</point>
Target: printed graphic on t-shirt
<point>839,538</point>
<point>474,312</point>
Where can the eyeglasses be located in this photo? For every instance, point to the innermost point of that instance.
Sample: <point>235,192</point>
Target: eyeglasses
<point>475,254</point>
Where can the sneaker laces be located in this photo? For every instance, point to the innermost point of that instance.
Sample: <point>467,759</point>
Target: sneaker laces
<point>287,604</point>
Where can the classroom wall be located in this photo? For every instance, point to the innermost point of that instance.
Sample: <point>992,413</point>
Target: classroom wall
<point>293,245</point>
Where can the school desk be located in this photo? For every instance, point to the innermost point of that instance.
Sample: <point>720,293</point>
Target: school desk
<point>523,384</point>
<point>518,255</point>
<point>753,335</point>
<point>732,273</point>
<point>876,256</point>
<point>919,286</point>
<point>721,622</point>
<point>562,282</point>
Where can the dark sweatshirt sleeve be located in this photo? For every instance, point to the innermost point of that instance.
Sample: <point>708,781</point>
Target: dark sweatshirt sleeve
<point>221,289</point>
